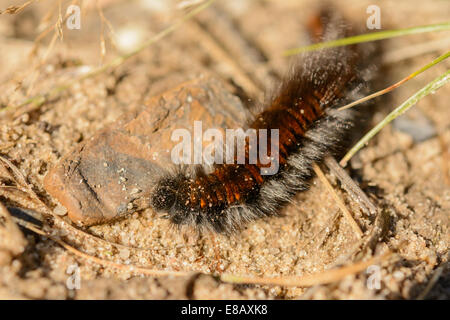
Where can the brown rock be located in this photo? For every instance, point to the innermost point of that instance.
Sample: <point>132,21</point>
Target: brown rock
<point>112,173</point>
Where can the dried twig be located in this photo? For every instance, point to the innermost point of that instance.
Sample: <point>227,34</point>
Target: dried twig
<point>436,275</point>
<point>324,277</point>
<point>58,34</point>
<point>103,262</point>
<point>104,22</point>
<point>25,187</point>
<point>339,202</point>
<point>16,9</point>
<point>350,186</point>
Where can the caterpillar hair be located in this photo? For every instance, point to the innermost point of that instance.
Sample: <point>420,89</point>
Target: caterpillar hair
<point>304,110</point>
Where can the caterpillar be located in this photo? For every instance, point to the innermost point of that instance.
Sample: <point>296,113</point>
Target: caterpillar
<point>303,109</point>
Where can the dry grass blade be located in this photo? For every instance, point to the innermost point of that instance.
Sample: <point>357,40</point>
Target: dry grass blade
<point>18,176</point>
<point>397,84</point>
<point>351,187</point>
<point>348,216</point>
<point>104,22</point>
<point>20,180</point>
<point>58,34</point>
<point>324,277</point>
<point>103,262</point>
<point>49,28</point>
<point>436,275</point>
<point>16,9</point>
<point>59,22</point>
<point>102,33</point>
<point>320,278</point>
<point>38,100</point>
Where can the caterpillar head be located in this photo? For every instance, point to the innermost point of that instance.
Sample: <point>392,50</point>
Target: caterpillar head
<point>165,195</point>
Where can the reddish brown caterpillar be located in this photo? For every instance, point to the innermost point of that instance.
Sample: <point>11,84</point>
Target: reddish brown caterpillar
<point>303,109</point>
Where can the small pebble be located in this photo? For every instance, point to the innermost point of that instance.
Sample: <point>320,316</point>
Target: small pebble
<point>60,211</point>
<point>124,254</point>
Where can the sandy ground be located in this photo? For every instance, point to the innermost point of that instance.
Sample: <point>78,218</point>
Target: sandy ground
<point>404,169</point>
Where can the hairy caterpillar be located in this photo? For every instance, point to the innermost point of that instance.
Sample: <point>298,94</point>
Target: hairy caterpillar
<point>303,109</point>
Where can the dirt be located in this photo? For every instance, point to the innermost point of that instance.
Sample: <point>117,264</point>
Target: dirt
<point>404,171</point>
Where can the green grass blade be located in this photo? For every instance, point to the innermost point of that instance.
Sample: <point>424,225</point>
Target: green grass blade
<point>429,88</point>
<point>370,37</point>
<point>397,84</point>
